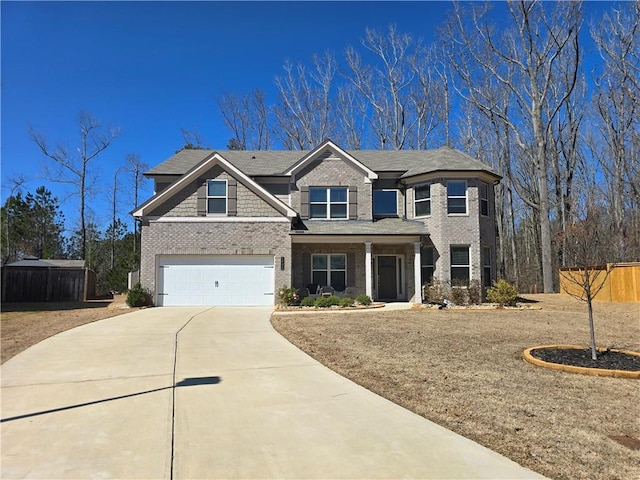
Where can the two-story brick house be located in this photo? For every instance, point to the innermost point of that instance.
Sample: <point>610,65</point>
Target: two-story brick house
<point>232,227</point>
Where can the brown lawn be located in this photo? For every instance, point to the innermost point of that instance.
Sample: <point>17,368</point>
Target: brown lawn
<point>463,369</point>
<point>25,324</point>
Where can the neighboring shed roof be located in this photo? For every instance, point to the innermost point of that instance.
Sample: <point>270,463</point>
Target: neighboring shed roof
<point>385,226</point>
<point>277,162</point>
<point>31,262</point>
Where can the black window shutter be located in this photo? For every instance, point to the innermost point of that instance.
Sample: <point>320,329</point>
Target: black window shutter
<point>304,202</point>
<point>353,203</point>
<point>232,197</point>
<point>202,199</point>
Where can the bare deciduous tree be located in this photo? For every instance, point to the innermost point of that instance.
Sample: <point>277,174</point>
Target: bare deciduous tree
<point>74,168</point>
<point>135,167</point>
<point>524,61</point>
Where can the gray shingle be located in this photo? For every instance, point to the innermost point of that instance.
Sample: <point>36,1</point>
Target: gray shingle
<point>386,226</point>
<point>275,162</point>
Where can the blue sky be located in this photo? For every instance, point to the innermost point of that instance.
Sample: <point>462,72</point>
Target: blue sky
<point>152,68</point>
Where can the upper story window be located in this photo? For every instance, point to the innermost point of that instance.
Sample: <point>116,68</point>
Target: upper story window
<point>484,199</point>
<point>457,197</point>
<point>422,202</point>
<point>385,203</point>
<point>328,202</point>
<point>217,196</point>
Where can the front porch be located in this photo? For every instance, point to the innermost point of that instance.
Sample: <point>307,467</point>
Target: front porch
<point>386,268</point>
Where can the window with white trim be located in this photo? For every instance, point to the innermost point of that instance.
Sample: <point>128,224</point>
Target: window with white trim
<point>385,203</point>
<point>484,199</point>
<point>329,269</point>
<point>486,266</point>
<point>460,266</point>
<point>328,202</point>
<point>422,200</point>
<point>217,196</point>
<point>426,264</point>
<point>457,197</point>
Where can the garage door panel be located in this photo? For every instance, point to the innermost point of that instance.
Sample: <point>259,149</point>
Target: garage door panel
<point>201,280</point>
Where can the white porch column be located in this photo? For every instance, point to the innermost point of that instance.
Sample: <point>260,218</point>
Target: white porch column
<point>417,267</point>
<point>368,274</point>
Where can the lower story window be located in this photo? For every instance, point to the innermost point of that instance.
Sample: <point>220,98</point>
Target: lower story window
<point>460,267</point>
<point>426,264</point>
<point>329,270</point>
<point>486,266</point>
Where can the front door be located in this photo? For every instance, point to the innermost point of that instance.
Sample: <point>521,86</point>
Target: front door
<point>387,277</point>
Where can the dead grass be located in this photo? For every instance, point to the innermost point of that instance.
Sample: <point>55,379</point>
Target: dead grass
<point>463,369</point>
<point>25,324</point>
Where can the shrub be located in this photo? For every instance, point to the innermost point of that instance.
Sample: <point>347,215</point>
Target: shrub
<point>289,296</point>
<point>459,294</point>
<point>346,302</point>
<point>363,299</point>
<point>436,291</point>
<point>138,296</point>
<point>475,292</point>
<point>308,302</point>
<point>330,301</point>
<point>503,293</point>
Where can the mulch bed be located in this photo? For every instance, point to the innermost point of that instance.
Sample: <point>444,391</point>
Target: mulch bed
<point>582,358</point>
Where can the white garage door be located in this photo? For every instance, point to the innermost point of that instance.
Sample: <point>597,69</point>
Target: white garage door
<point>234,280</point>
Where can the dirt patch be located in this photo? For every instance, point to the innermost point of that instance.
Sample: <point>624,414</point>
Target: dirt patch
<point>463,369</point>
<point>25,324</point>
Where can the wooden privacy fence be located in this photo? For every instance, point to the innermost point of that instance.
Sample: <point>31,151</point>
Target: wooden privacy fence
<point>37,284</point>
<point>622,284</point>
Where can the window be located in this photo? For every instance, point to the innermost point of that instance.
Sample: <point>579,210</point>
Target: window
<point>385,203</point>
<point>329,270</point>
<point>422,203</point>
<point>217,196</point>
<point>484,199</point>
<point>486,266</point>
<point>457,197</point>
<point>426,264</point>
<point>328,202</point>
<point>460,265</point>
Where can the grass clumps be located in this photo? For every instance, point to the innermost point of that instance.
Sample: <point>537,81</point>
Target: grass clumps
<point>138,296</point>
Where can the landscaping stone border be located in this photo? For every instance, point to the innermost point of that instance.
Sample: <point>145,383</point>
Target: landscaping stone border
<point>600,372</point>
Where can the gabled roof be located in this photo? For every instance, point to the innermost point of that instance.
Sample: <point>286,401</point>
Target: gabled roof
<point>256,163</point>
<point>336,150</point>
<point>200,168</point>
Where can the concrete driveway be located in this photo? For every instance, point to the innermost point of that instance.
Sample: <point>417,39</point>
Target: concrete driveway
<point>191,393</point>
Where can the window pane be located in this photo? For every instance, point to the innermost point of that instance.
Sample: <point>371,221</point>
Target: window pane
<point>459,255</point>
<point>457,205</point>
<point>217,205</point>
<point>338,194</point>
<point>486,255</point>
<point>426,256</point>
<point>338,211</point>
<point>423,191</point>
<point>318,194</point>
<point>486,276</point>
<point>216,188</point>
<point>318,210</point>
<point>484,207</point>
<point>459,275</point>
<point>338,262</point>
<point>427,275</point>
<point>484,191</point>
<point>320,278</point>
<point>338,280</point>
<point>385,202</point>
<point>423,208</point>
<point>456,189</point>
<point>319,262</point>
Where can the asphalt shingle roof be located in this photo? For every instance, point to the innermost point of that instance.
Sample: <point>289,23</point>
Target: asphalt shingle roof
<point>275,162</point>
<point>386,226</point>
